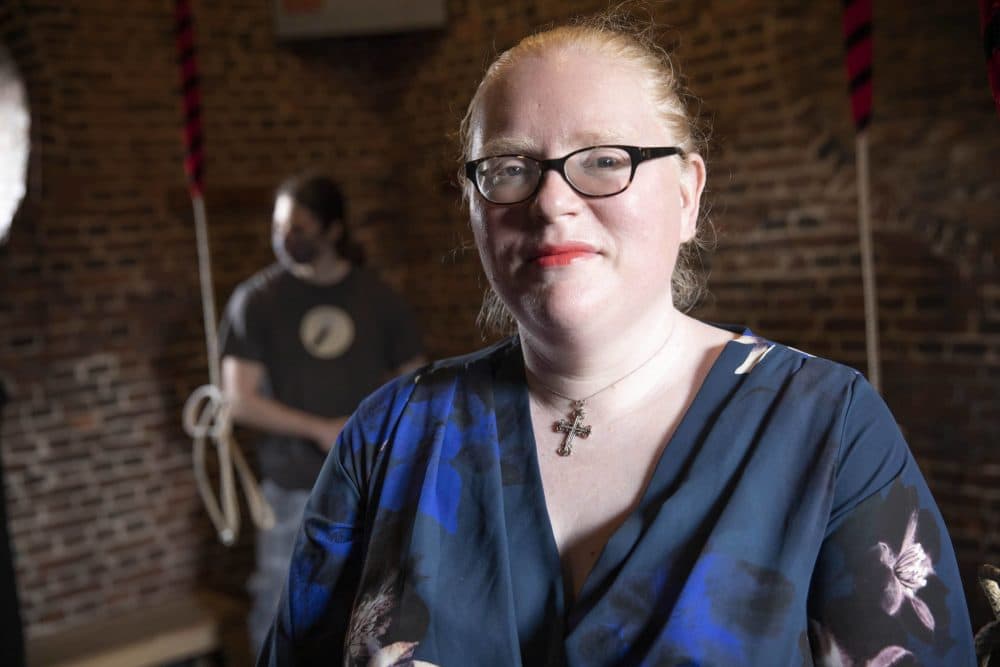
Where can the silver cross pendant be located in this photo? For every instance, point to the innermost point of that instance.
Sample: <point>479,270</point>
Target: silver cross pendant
<point>572,429</point>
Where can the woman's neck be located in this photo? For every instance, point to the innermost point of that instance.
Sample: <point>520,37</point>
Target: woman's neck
<point>589,364</point>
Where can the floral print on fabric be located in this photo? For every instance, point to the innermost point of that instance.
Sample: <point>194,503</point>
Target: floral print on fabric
<point>829,653</point>
<point>758,349</point>
<point>370,622</point>
<point>909,570</point>
<point>399,654</point>
<point>886,596</point>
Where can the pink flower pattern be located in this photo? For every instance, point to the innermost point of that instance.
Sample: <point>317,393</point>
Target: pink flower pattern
<point>908,572</point>
<point>369,622</point>
<point>829,653</point>
<point>399,654</point>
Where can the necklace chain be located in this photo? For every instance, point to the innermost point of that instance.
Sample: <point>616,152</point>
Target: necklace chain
<point>574,427</point>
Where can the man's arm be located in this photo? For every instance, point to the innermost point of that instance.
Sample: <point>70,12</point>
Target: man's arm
<point>241,383</point>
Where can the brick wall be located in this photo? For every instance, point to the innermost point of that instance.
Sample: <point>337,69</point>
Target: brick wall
<point>100,320</point>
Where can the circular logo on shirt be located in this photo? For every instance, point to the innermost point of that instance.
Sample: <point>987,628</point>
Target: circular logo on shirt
<point>326,332</point>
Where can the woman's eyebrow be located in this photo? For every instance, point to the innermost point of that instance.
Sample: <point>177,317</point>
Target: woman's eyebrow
<point>507,146</point>
<point>522,146</point>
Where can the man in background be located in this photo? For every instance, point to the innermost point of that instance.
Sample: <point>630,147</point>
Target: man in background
<point>302,342</point>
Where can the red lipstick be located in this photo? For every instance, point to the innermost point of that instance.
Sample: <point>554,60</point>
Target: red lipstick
<point>562,254</point>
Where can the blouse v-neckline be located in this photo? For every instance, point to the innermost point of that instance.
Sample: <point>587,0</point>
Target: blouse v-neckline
<point>666,476</point>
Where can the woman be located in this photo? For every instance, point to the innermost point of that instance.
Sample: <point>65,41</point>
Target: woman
<point>618,483</point>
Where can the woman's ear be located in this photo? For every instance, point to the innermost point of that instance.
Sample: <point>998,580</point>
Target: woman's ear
<point>692,184</point>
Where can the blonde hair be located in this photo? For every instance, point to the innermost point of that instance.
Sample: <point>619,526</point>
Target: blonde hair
<point>619,34</point>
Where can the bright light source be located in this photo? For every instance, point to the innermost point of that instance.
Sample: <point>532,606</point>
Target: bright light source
<point>14,142</point>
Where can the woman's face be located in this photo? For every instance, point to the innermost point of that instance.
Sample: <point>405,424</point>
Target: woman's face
<point>562,261</point>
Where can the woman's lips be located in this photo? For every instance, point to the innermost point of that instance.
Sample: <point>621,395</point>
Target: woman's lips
<point>562,254</point>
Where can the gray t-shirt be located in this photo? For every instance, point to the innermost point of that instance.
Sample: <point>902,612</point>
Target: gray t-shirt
<point>325,347</point>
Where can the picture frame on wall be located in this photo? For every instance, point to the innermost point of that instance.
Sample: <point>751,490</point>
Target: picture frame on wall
<point>313,19</point>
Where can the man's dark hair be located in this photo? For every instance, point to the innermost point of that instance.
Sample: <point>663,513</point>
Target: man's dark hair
<point>323,198</point>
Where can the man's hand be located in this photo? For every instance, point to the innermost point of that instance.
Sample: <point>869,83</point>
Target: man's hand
<point>241,383</point>
<point>327,431</point>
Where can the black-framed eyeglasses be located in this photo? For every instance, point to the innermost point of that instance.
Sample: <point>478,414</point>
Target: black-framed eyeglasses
<point>595,171</point>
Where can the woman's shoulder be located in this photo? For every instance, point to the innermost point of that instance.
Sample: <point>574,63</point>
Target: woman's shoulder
<point>801,381</point>
<point>438,376</point>
<point>763,358</point>
<point>484,360</point>
<point>825,402</point>
<point>403,409</point>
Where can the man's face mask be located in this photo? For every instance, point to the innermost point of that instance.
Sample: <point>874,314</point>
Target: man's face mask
<point>294,249</point>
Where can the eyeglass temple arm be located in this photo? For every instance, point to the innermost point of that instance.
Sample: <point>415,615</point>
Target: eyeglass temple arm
<point>660,151</point>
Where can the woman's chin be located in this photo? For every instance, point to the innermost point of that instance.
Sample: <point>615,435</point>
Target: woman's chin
<point>560,308</point>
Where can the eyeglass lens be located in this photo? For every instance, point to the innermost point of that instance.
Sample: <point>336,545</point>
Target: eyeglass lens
<point>598,171</point>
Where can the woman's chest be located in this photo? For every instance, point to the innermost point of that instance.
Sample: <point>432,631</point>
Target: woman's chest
<point>591,491</point>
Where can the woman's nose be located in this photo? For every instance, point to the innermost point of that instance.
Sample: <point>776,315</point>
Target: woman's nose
<point>555,197</point>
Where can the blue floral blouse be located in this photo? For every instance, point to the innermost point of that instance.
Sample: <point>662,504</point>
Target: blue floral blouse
<point>785,524</point>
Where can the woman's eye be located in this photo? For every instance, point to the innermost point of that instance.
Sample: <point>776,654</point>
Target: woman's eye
<point>604,161</point>
<point>508,171</point>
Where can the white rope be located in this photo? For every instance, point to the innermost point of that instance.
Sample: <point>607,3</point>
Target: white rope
<point>868,262</point>
<point>206,417</point>
<point>207,294</point>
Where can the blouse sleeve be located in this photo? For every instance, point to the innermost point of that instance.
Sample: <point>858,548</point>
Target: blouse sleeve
<point>315,606</point>
<point>886,588</point>
<point>314,614</point>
